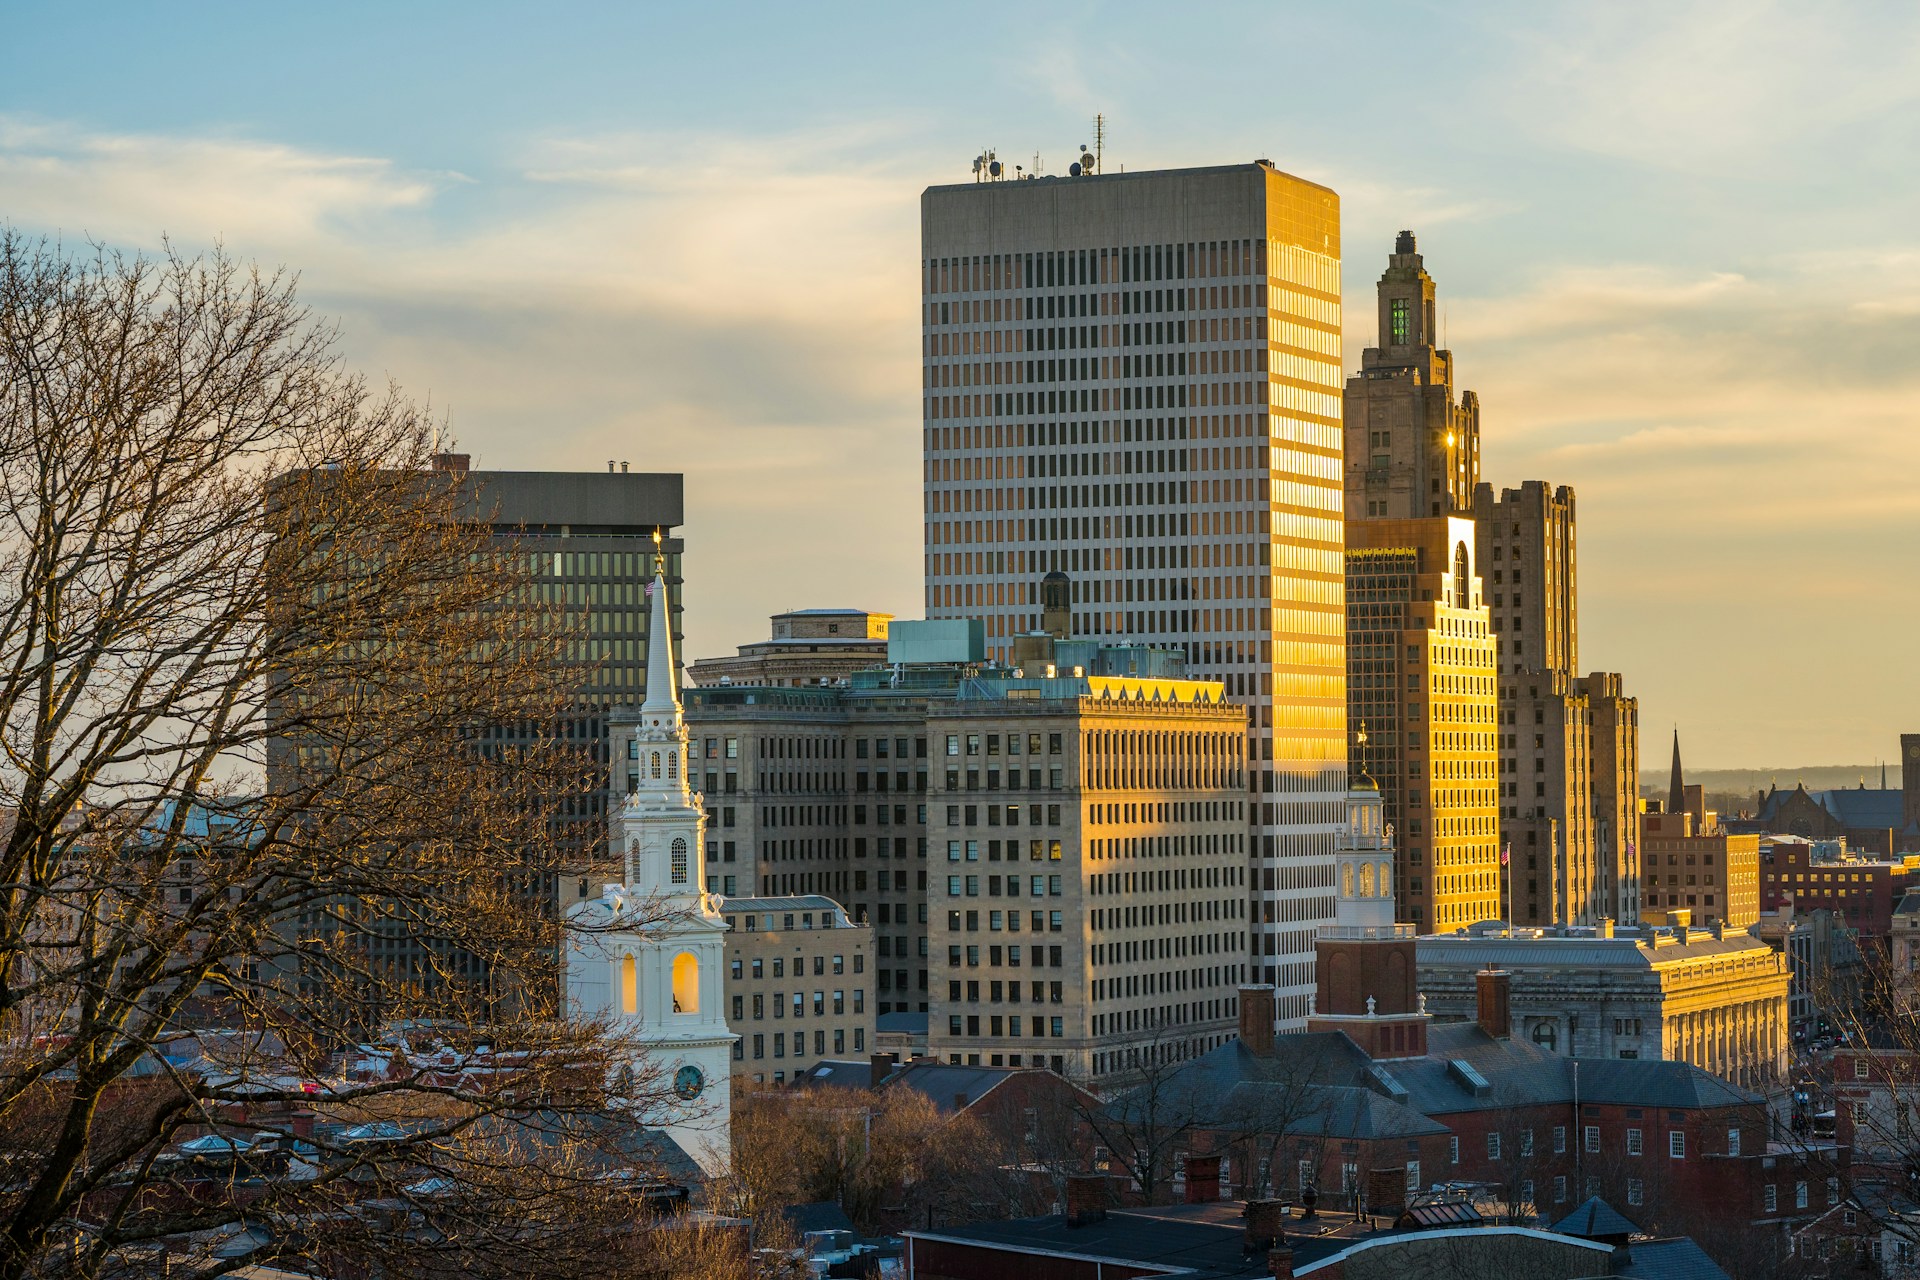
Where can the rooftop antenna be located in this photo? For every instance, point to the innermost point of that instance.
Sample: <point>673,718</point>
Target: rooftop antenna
<point>1099,142</point>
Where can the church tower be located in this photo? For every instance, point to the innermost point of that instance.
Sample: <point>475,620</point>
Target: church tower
<point>1364,961</point>
<point>645,956</point>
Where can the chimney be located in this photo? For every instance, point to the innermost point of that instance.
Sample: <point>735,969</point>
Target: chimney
<point>1256,1019</point>
<point>879,1067</point>
<point>1086,1198</point>
<point>1280,1264</point>
<point>451,461</point>
<point>1494,989</point>
<point>1386,1191</point>
<point>1203,1179</point>
<point>1266,1225</point>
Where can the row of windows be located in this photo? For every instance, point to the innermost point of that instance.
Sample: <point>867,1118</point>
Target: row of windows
<point>800,1044</point>
<point>1037,850</point>
<point>1007,1025</point>
<point>739,968</point>
<point>1059,268</point>
<point>799,1004</point>
<point>1007,992</point>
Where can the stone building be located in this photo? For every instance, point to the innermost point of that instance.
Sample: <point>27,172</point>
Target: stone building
<point>1527,550</point>
<point>1134,378</point>
<point>1420,699</point>
<point>1089,892</point>
<point>1412,449</point>
<point>807,647</point>
<point>796,984</point>
<point>1883,820</point>
<point>1712,997</point>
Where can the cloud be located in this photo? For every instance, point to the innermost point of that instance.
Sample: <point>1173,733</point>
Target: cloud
<point>744,311</point>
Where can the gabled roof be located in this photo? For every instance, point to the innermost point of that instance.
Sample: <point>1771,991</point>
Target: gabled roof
<point>946,1084</point>
<point>1868,807</point>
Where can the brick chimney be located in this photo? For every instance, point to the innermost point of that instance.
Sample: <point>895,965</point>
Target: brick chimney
<point>1386,1191</point>
<point>1256,1019</point>
<point>879,1067</point>
<point>1280,1264</point>
<point>1266,1225</point>
<point>451,461</point>
<point>1086,1198</point>
<point>1203,1179</point>
<point>1494,988</point>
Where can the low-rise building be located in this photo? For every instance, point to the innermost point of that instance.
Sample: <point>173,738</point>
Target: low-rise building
<point>1822,876</point>
<point>796,985</point>
<point>1711,997</point>
<point>808,647</point>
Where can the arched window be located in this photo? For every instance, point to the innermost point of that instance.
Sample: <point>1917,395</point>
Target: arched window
<point>686,983</point>
<point>1366,879</point>
<point>629,986</point>
<point>1462,584</point>
<point>1386,881</point>
<point>1546,1036</point>
<point>654,761</point>
<point>679,860</point>
<point>673,764</point>
<point>1346,881</point>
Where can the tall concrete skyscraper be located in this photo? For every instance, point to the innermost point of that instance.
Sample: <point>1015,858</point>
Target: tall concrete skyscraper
<point>1133,379</point>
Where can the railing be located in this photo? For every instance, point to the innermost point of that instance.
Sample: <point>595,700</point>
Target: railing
<point>1366,932</point>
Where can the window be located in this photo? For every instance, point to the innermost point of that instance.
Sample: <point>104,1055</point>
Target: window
<point>1453,1149</point>
<point>1401,321</point>
<point>1560,1190</point>
<point>1526,1146</point>
<point>1493,1146</point>
<point>1733,1142</point>
<point>1633,1142</point>
<point>679,860</point>
<point>1413,1175</point>
<point>1799,1195</point>
<point>1634,1193</point>
<point>1859,1068</point>
<point>1592,1132</point>
<point>1559,1139</point>
<point>1676,1144</point>
<point>1770,1199</point>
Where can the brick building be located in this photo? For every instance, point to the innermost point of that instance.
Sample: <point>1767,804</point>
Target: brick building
<point>1861,893</point>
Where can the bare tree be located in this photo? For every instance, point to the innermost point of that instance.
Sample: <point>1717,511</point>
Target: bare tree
<point>220,552</point>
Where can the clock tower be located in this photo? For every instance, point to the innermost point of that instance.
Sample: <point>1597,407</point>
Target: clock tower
<point>645,956</point>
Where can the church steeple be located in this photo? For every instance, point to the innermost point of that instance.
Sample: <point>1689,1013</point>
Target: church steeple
<point>661,696</point>
<point>1676,785</point>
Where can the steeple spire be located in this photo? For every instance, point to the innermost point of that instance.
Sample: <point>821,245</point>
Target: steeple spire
<point>1677,787</point>
<point>660,693</point>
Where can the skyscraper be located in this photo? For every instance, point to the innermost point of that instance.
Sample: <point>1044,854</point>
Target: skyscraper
<point>1420,669</point>
<point>1133,379</point>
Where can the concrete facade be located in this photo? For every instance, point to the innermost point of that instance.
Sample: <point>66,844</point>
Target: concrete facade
<point>796,984</point>
<point>1088,898</point>
<point>807,647</point>
<point>1135,379</point>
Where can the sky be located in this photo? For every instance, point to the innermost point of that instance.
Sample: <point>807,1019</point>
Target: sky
<point>1677,248</point>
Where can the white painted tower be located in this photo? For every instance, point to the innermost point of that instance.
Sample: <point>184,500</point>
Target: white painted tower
<point>646,954</point>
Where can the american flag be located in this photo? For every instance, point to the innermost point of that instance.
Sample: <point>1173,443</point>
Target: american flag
<point>1506,854</point>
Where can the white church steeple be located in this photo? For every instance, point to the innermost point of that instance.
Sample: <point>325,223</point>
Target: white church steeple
<point>646,955</point>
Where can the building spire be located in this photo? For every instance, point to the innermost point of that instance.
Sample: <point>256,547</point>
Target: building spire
<point>1677,788</point>
<point>660,693</point>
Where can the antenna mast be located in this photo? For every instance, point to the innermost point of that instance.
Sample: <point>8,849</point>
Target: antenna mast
<point>1099,143</point>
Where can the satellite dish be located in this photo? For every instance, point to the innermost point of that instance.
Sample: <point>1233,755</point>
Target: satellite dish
<point>1086,161</point>
<point>1074,169</point>
<point>993,167</point>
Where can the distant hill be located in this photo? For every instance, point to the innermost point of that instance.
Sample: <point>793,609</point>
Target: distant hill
<point>1745,782</point>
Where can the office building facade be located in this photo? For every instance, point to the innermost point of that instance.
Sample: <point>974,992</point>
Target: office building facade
<point>1134,379</point>
<point>796,985</point>
<point>1420,690</point>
